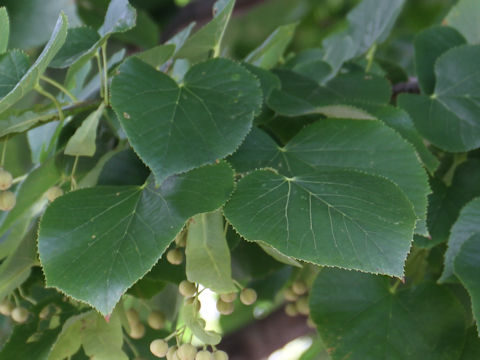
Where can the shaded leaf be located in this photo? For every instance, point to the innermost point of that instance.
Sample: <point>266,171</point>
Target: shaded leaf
<point>13,66</point>
<point>157,55</point>
<point>467,225</point>
<point>215,106</point>
<point>120,17</point>
<point>449,118</point>
<point>467,269</point>
<point>359,317</point>
<point>95,243</point>
<point>79,40</point>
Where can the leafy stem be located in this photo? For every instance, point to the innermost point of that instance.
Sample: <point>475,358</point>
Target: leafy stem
<point>105,74</point>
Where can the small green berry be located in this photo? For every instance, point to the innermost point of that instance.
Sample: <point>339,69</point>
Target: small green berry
<point>248,296</point>
<point>204,355</point>
<point>137,331</point>
<point>175,256</point>
<point>53,193</point>
<point>19,314</point>
<point>132,316</point>
<point>289,295</point>
<point>156,320</point>
<point>230,297</point>
<point>187,288</point>
<point>172,353</point>
<point>6,307</point>
<point>224,308</point>
<point>220,355</point>
<point>186,352</point>
<point>5,179</point>
<point>7,200</point>
<point>302,306</point>
<point>159,348</point>
<point>291,310</point>
<point>299,287</point>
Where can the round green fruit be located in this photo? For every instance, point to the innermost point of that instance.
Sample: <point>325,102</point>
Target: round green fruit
<point>175,256</point>
<point>159,348</point>
<point>248,296</point>
<point>137,331</point>
<point>220,355</point>
<point>7,200</point>
<point>6,307</point>
<point>186,352</point>
<point>156,320</point>
<point>224,308</point>
<point>204,355</point>
<point>19,314</point>
<point>187,288</point>
<point>230,297</point>
<point>6,179</point>
<point>299,287</point>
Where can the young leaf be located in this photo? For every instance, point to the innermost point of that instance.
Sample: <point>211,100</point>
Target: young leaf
<point>430,44</point>
<point>207,253</point>
<point>177,128</point>
<point>82,143</point>
<point>466,226</point>
<point>208,39</point>
<point>333,218</point>
<point>465,17</point>
<point>363,145</point>
<point>450,117</point>
<point>467,268</point>
<point>122,231</point>
<point>79,40</point>
<point>360,317</point>
<point>120,17</point>
<point>30,79</point>
<point>271,51</point>
<point>4,29</point>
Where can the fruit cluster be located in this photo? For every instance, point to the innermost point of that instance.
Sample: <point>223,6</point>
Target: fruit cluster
<point>17,313</point>
<point>296,296</point>
<point>7,198</point>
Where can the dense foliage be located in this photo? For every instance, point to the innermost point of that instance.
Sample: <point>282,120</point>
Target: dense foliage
<point>133,176</point>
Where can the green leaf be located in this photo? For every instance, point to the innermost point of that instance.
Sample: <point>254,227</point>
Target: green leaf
<point>16,268</point>
<point>338,48</point>
<point>197,326</point>
<point>400,121</point>
<point>370,22</point>
<point>449,118</point>
<point>359,317</point>
<point>467,268</point>
<point>15,122</point>
<point>465,17</point>
<point>120,17</point>
<point>208,39</point>
<point>156,114</point>
<point>292,214</point>
<point>13,66</point>
<point>446,202</point>
<point>277,255</point>
<point>30,79</point>
<point>122,230</point>
<point>30,195</point>
<point>157,55</point>
<point>430,44</point>
<point>471,350</point>
<point>271,51</point>
<point>82,143</point>
<point>302,96</point>
<point>207,253</point>
<point>362,145</point>
<point>310,64</point>
<point>4,29</point>
<point>467,225</point>
<point>79,40</point>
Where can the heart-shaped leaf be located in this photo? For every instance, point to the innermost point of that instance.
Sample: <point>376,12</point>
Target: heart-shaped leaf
<point>95,243</point>
<point>177,128</point>
<point>450,117</point>
<point>334,218</point>
<point>467,269</point>
<point>30,79</point>
<point>360,316</point>
<point>467,225</point>
<point>363,145</point>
